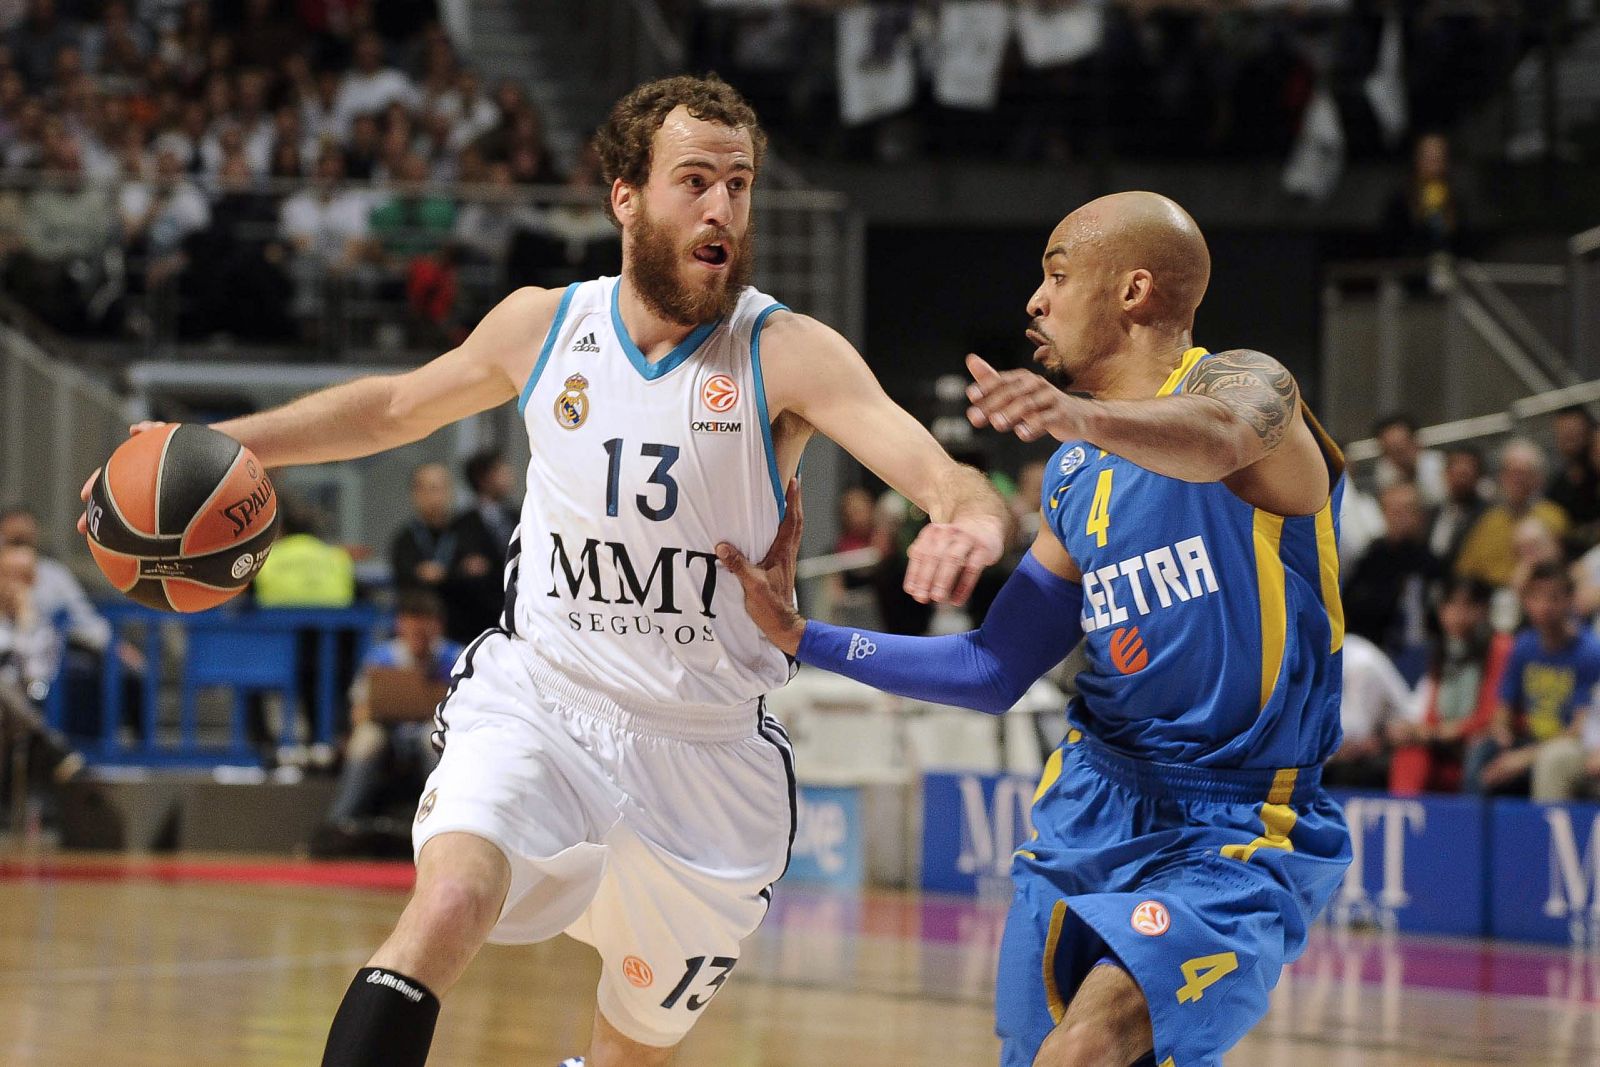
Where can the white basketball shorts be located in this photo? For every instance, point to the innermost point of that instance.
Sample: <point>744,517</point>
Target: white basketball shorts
<point>653,835</point>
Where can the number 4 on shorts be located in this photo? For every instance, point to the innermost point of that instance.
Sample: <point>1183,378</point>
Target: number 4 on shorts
<point>1202,972</point>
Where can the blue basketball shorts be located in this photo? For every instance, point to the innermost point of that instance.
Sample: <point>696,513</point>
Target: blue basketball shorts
<point>1200,883</point>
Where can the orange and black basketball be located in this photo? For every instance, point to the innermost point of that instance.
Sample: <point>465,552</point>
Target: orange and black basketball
<point>181,517</point>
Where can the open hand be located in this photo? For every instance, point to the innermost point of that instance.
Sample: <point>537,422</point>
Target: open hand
<point>946,560</point>
<point>769,585</point>
<point>1022,402</point>
<point>83,494</point>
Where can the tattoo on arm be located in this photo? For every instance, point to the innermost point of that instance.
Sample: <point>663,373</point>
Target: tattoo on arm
<point>1254,387</point>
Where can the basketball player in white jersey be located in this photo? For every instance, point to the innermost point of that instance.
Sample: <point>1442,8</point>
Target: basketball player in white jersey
<point>608,769</point>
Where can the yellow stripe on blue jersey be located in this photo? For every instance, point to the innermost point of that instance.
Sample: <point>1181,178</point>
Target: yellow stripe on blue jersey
<point>1267,539</point>
<point>1208,623</point>
<point>1328,559</point>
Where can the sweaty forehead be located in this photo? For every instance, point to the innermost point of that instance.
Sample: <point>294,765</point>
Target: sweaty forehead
<point>681,133</point>
<point>1075,236</point>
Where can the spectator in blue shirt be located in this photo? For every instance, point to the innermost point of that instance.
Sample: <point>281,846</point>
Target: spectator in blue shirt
<point>386,753</point>
<point>1545,696</point>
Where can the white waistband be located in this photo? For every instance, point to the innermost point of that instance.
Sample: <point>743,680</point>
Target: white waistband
<point>684,722</point>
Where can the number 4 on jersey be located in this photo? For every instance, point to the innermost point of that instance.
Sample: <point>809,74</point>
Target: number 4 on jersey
<point>1100,509</point>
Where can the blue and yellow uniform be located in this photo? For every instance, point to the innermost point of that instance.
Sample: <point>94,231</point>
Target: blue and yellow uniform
<point>1181,829</point>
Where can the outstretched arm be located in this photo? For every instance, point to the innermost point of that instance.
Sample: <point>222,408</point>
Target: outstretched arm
<point>1032,625</point>
<point>384,411</point>
<point>813,373</point>
<point>1236,408</point>
<point>1238,417</point>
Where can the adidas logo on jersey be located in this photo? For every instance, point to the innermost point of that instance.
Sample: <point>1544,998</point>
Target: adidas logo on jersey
<point>860,648</point>
<point>585,344</point>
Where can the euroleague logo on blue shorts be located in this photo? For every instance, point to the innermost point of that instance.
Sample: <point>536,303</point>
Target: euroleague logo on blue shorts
<point>1151,918</point>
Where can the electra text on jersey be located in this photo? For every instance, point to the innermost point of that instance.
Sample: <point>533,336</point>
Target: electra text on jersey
<point>1177,574</point>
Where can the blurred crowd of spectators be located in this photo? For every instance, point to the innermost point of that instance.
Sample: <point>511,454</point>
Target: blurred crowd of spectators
<point>1075,78</point>
<point>1471,585</point>
<point>162,157</point>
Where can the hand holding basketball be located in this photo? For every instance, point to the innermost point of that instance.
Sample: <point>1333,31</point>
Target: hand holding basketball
<point>181,517</point>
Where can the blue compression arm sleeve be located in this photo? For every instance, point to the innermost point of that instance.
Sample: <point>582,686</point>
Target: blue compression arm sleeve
<point>1031,627</point>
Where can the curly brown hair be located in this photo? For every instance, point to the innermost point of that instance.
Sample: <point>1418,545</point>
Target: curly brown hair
<point>628,135</point>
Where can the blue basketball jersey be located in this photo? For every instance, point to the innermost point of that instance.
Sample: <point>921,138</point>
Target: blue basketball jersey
<point>1208,623</point>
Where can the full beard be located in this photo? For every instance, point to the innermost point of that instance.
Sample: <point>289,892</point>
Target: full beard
<point>655,269</point>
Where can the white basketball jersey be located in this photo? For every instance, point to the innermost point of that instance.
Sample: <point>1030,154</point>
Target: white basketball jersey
<point>638,471</point>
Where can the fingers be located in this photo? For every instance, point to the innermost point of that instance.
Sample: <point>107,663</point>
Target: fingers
<point>786,544</point>
<point>935,560</point>
<point>967,582</point>
<point>83,495</point>
<point>142,427</point>
<point>980,370</point>
<point>734,560</point>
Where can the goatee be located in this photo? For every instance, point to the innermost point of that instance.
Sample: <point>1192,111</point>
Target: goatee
<point>656,271</point>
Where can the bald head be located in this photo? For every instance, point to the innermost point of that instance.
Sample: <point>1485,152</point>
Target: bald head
<point>1127,232</point>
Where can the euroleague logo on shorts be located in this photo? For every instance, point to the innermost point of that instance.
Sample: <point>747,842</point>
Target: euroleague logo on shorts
<point>637,972</point>
<point>719,394</point>
<point>425,809</point>
<point>1151,919</point>
<point>1128,652</point>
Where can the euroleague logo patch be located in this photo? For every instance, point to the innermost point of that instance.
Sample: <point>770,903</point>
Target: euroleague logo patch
<point>1074,459</point>
<point>425,809</point>
<point>1128,652</point>
<point>637,972</point>
<point>720,393</point>
<point>1151,919</point>
<point>572,406</point>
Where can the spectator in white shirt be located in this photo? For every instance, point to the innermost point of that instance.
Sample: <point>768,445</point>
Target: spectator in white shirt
<point>370,86</point>
<point>1376,698</point>
<point>160,214</point>
<point>58,596</point>
<point>1405,460</point>
<point>471,113</point>
<point>326,221</point>
<point>30,656</point>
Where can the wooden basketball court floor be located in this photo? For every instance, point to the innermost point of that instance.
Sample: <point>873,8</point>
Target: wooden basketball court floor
<point>139,963</point>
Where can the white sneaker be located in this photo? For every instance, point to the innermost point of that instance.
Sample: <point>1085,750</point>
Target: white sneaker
<point>576,1061</point>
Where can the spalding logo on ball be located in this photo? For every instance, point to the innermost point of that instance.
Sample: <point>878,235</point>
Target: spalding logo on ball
<point>181,517</point>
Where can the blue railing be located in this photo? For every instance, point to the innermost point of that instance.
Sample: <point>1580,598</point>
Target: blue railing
<point>247,651</point>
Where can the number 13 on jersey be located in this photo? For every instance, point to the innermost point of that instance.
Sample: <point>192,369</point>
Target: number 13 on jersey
<point>1100,509</point>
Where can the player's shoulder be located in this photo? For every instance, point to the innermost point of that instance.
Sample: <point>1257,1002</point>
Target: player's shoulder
<point>785,330</point>
<point>1235,367</point>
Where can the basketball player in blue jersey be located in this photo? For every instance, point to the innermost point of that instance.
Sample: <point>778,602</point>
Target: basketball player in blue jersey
<point>1183,842</point>
<point>608,768</point>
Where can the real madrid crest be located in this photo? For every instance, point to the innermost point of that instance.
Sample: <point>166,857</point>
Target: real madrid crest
<point>572,406</point>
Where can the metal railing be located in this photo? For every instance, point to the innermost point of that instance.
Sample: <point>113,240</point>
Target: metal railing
<point>58,426</point>
<point>1441,339</point>
<point>1485,427</point>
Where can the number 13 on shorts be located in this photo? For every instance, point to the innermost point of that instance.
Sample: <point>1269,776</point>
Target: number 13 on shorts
<point>692,968</point>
